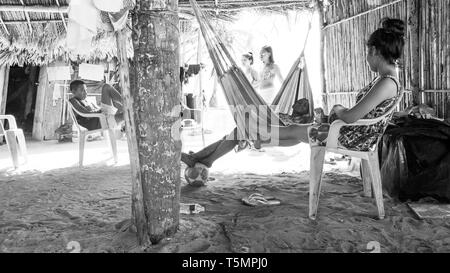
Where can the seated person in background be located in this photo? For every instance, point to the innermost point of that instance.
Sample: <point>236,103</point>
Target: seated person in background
<point>111,105</point>
<point>300,114</point>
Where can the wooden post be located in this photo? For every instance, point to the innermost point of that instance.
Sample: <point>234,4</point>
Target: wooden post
<point>200,86</point>
<point>414,39</point>
<point>31,91</point>
<point>155,96</point>
<point>139,217</point>
<point>48,112</point>
<point>39,111</point>
<point>319,8</point>
<point>4,82</point>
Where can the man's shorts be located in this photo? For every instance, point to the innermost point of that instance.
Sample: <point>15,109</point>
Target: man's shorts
<point>110,112</point>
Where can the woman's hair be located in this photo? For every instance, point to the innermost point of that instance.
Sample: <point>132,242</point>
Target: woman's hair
<point>389,39</point>
<point>249,56</point>
<point>269,50</point>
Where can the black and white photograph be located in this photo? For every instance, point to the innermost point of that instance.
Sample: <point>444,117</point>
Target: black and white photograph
<point>242,128</point>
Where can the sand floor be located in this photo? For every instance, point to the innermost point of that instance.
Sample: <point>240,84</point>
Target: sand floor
<point>42,211</point>
<point>50,202</point>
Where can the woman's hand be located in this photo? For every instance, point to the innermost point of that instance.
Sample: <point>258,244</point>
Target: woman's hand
<point>337,110</point>
<point>335,113</point>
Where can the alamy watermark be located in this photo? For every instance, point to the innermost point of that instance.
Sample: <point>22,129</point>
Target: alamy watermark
<point>254,123</point>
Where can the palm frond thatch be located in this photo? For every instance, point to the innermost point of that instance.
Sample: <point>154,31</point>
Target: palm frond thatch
<point>39,37</point>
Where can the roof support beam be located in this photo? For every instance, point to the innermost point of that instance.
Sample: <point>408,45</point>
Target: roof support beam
<point>28,18</point>
<point>206,5</point>
<point>35,8</point>
<point>4,26</point>
<point>43,21</point>
<point>362,13</point>
<point>236,6</point>
<point>62,16</point>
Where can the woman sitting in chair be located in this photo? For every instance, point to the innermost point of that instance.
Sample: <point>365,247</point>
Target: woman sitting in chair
<point>384,48</point>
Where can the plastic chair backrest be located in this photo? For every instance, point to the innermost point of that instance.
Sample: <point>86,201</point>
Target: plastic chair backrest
<point>2,128</point>
<point>391,111</point>
<point>11,123</point>
<point>72,114</point>
<point>387,116</point>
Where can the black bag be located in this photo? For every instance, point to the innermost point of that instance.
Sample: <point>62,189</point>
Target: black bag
<point>64,133</point>
<point>415,159</point>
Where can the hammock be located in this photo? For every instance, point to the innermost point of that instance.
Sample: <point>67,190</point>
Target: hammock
<point>295,87</point>
<point>250,112</point>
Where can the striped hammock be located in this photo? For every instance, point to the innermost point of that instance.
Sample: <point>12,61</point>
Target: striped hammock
<point>250,112</point>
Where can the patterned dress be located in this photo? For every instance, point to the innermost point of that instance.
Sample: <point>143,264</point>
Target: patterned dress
<point>359,138</point>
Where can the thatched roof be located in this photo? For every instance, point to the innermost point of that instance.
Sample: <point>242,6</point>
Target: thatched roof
<point>36,34</point>
<point>39,37</point>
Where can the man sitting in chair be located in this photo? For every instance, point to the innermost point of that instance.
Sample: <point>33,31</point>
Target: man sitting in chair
<point>111,105</point>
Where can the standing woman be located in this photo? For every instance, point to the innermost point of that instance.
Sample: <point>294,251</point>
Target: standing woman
<point>247,63</point>
<point>270,71</point>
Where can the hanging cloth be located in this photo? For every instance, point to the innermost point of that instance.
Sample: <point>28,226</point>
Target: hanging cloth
<point>82,26</point>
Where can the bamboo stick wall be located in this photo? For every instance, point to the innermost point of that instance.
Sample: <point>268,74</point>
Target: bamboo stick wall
<point>345,47</point>
<point>346,68</point>
<point>435,54</point>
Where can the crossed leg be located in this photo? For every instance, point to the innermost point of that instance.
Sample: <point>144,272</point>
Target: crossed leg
<point>111,99</point>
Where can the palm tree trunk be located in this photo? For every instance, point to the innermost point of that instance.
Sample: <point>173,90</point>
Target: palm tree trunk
<point>155,92</point>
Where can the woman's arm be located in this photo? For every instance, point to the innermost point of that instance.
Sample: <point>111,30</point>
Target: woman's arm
<point>255,77</point>
<point>259,77</point>
<point>277,72</point>
<point>383,90</point>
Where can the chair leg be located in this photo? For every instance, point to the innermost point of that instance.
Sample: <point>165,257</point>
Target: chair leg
<point>82,141</point>
<point>22,145</point>
<point>367,180</point>
<point>113,141</point>
<point>375,175</point>
<point>11,141</point>
<point>315,179</point>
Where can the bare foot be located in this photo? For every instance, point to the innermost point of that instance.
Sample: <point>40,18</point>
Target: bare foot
<point>189,160</point>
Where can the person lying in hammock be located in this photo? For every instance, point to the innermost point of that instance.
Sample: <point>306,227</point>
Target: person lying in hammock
<point>300,113</point>
<point>384,48</point>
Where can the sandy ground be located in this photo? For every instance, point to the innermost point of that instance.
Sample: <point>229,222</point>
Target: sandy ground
<point>50,202</point>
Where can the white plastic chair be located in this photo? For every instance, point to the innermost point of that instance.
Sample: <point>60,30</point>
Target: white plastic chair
<point>191,125</point>
<point>370,163</point>
<point>83,132</point>
<point>15,140</point>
